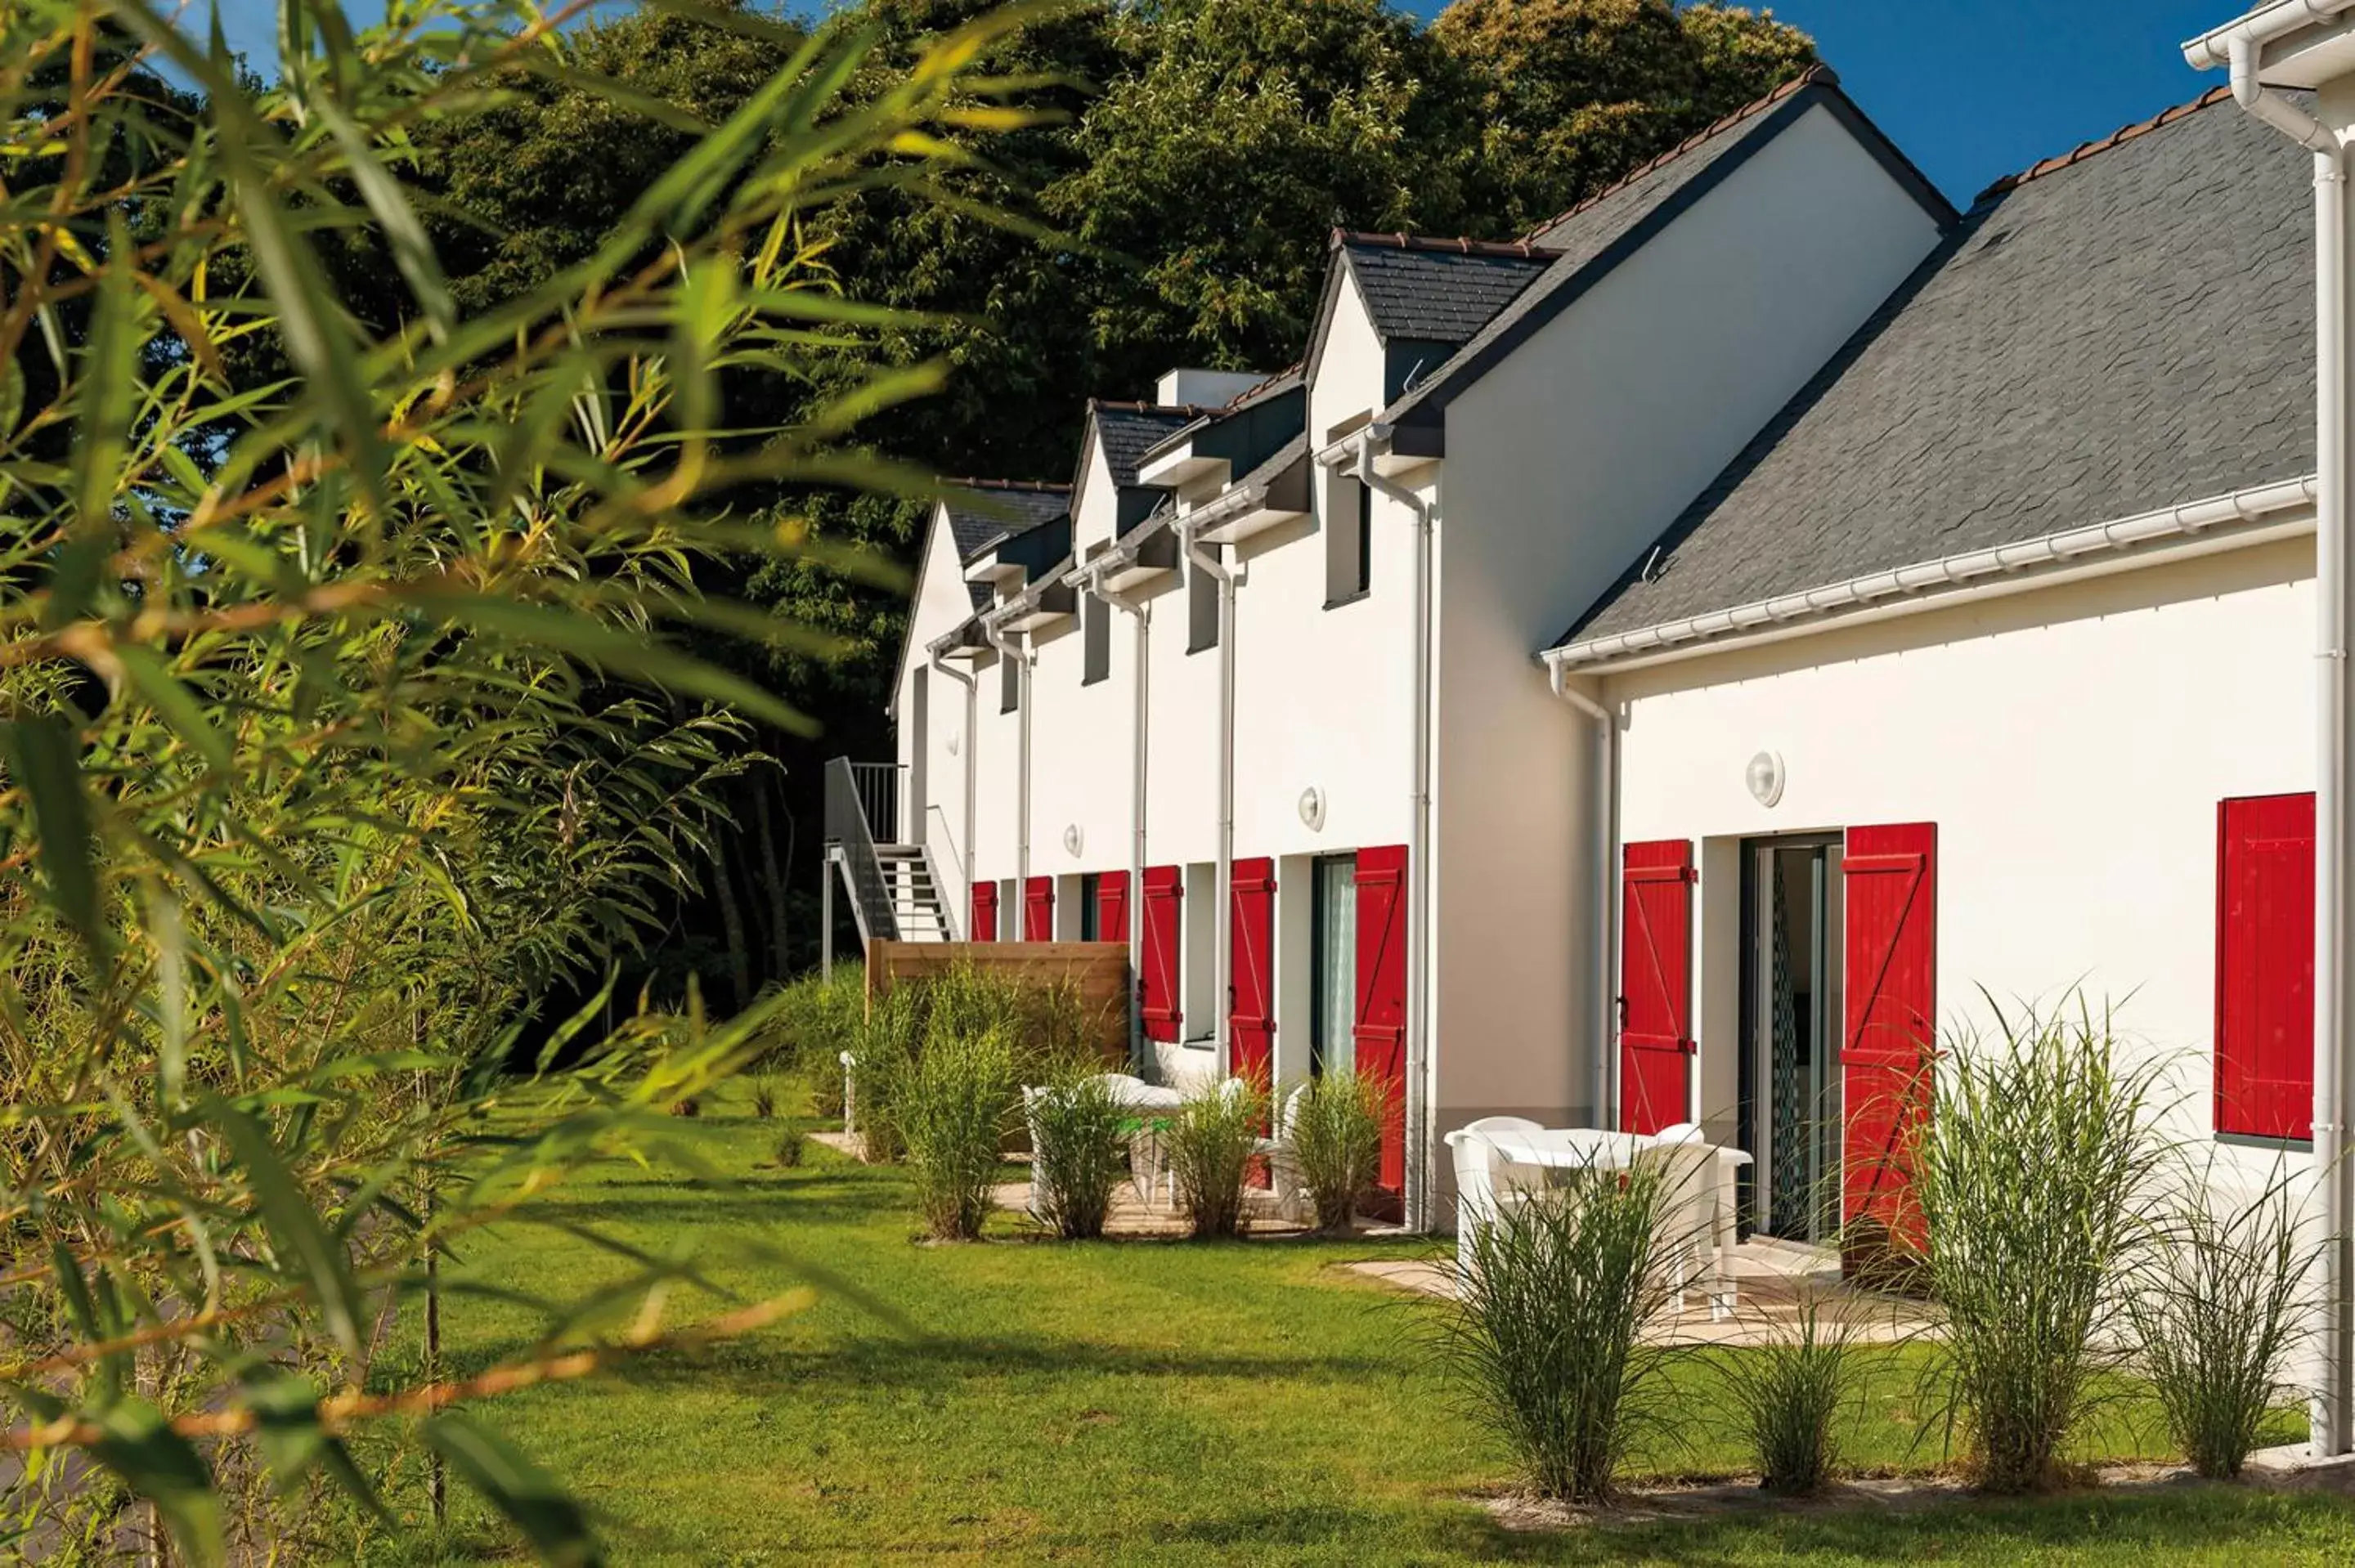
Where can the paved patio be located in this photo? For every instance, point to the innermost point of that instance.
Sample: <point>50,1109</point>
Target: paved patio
<point>1772,1280</point>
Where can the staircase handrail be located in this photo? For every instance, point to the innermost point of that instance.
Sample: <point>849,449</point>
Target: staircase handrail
<point>847,830</point>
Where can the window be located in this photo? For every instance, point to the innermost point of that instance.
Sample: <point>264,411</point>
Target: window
<point>1349,538</point>
<point>1091,891</point>
<point>2264,968</point>
<point>1202,604</point>
<point>1333,1017</point>
<point>1096,630</point>
<point>1009,682</point>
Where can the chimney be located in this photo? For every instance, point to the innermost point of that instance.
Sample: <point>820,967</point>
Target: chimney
<point>1209,388</point>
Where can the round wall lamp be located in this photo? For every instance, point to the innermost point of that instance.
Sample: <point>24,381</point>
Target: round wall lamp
<point>1311,809</point>
<point>1765,777</point>
<point>954,741</point>
<point>1074,840</point>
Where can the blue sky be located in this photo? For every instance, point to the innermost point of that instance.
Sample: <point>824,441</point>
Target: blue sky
<point>1970,89</point>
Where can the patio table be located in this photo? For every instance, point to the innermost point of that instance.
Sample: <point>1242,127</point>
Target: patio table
<point>1602,1149</point>
<point>1149,1106</point>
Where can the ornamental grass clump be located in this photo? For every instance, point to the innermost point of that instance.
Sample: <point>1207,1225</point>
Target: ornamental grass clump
<point>1543,1340</point>
<point>1337,1143</point>
<point>1211,1141</point>
<point>950,1110</point>
<point>1788,1394</point>
<point>2034,1179</point>
<point>1079,1151</point>
<point>2216,1307</point>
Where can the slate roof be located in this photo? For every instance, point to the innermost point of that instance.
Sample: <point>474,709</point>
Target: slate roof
<point>2126,328</point>
<point>1438,291</point>
<point>1129,431</point>
<point>1590,238</point>
<point>981,512</point>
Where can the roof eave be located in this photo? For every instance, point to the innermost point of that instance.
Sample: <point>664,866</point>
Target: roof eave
<point>2243,517</point>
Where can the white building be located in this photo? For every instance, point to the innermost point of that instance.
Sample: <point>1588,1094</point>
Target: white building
<point>1681,666</point>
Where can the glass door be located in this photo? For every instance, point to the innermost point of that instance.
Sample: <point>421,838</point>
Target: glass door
<point>1333,1042</point>
<point>1792,1012</point>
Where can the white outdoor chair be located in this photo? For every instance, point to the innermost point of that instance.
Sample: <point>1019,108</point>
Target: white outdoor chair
<point>1282,1168</point>
<point>1484,1180</point>
<point>1689,1218</point>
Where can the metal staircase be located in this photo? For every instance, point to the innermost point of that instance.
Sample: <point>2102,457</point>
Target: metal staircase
<point>895,889</point>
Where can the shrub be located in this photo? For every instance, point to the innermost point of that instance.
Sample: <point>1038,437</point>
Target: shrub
<point>766,1092</point>
<point>1210,1140</point>
<point>688,1107</point>
<point>1078,1152</point>
<point>2216,1307</point>
<point>1542,1336</point>
<point>2033,1178</point>
<point>1787,1394</point>
<point>1336,1142</point>
<point>950,1110</point>
<point>791,1148</point>
<point>886,1044</point>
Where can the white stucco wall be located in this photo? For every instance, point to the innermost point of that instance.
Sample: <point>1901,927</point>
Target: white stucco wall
<point>2070,745</point>
<point>1564,463</point>
<point>941,601</point>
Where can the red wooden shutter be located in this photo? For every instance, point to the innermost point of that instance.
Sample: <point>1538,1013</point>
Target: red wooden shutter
<point>1112,906</point>
<point>1039,909</point>
<point>984,912</point>
<point>1165,892</point>
<point>1889,888</point>
<point>1381,1005</point>
<point>2265,967</point>
<point>1251,991</point>
<point>1656,1040</point>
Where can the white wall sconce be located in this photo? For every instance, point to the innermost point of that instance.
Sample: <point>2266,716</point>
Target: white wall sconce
<point>956,740</point>
<point>1765,777</point>
<point>1074,840</point>
<point>1311,809</point>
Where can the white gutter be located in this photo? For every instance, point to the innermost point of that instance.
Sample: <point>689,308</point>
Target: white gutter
<point>2334,823</point>
<point>1090,578</point>
<point>1605,806</point>
<point>1420,999</point>
<point>1006,650</point>
<point>2213,50</point>
<point>971,684</point>
<point>1222,959</point>
<point>2254,515</point>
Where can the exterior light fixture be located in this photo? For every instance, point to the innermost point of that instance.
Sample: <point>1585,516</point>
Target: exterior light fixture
<point>1074,839</point>
<point>956,739</point>
<point>1311,809</point>
<point>1765,777</point>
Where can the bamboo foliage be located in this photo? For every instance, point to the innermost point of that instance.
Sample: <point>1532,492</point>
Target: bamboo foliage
<point>318,751</point>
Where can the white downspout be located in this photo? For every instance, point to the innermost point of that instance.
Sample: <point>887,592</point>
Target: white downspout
<point>1606,891</point>
<point>971,684</point>
<point>1222,979</point>
<point>1142,613</point>
<point>1006,650</point>
<point>2333,833</point>
<point>1420,995</point>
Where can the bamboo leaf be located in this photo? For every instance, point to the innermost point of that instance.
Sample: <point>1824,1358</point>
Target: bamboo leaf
<point>293,1224</point>
<point>151,675</point>
<point>156,1463</point>
<point>528,1496</point>
<point>47,764</point>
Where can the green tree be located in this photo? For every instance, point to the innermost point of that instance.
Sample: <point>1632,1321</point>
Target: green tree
<point>1574,94</point>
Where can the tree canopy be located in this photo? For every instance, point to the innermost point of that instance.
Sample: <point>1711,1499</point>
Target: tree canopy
<point>1171,208</point>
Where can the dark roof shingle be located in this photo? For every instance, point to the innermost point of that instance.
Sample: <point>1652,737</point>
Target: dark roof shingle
<point>2120,332</point>
<point>1437,291</point>
<point>981,512</point>
<point>1128,430</point>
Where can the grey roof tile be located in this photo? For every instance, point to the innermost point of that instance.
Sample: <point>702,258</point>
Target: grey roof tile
<point>2119,332</point>
<point>1425,291</point>
<point>1129,431</point>
<point>981,512</point>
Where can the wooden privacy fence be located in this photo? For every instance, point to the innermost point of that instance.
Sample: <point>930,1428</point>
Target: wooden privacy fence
<point>1099,970</point>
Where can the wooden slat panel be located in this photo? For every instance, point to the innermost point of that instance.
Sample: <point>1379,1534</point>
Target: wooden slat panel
<point>1100,971</point>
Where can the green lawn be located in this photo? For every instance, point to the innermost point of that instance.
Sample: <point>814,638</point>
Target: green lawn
<point>1136,1402</point>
